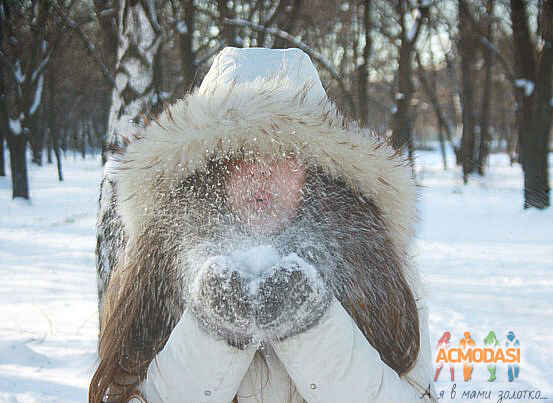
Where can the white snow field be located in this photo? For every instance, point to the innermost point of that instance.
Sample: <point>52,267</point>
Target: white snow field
<point>486,263</point>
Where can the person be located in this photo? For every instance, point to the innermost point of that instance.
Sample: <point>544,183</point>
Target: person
<point>254,246</point>
<point>467,342</point>
<point>490,341</point>
<point>265,194</point>
<point>512,369</point>
<point>443,342</point>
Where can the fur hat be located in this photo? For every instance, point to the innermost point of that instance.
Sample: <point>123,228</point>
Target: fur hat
<point>267,101</point>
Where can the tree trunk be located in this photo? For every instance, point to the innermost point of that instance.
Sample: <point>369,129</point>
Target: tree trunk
<point>139,39</point>
<point>2,155</point>
<point>18,165</point>
<point>487,93</point>
<point>467,50</point>
<point>442,144</point>
<point>402,124</point>
<point>536,175</point>
<point>3,108</point>
<point>288,21</point>
<point>20,111</point>
<point>56,146</point>
<point>533,96</point>
<point>83,138</point>
<point>452,109</point>
<point>185,34</point>
<point>108,24</point>
<point>229,33</point>
<point>363,70</point>
<point>51,117</point>
<point>466,47</point>
<point>49,148</point>
<point>37,137</point>
<point>431,92</point>
<point>402,121</point>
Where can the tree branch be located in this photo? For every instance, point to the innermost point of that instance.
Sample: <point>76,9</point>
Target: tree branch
<point>91,49</point>
<point>486,43</point>
<point>209,54</point>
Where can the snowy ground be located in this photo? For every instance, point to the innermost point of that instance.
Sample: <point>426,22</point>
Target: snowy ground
<point>487,264</point>
<point>47,286</point>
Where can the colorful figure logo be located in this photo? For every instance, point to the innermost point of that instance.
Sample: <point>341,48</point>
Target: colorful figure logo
<point>466,342</point>
<point>490,353</point>
<point>444,343</point>
<point>491,341</point>
<point>512,370</point>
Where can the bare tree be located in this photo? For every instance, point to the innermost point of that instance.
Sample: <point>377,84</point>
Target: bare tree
<point>408,36</point>
<point>135,91</point>
<point>229,33</point>
<point>3,101</point>
<point>185,28</point>
<point>289,13</point>
<point>363,69</point>
<point>534,64</point>
<point>26,50</point>
<point>485,109</point>
<point>429,87</point>
<point>467,50</point>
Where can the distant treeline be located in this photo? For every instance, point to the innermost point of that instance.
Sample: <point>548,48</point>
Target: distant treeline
<point>475,75</point>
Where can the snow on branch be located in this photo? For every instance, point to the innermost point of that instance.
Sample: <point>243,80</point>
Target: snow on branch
<point>152,15</point>
<point>38,95</point>
<point>15,125</point>
<point>106,12</point>
<point>413,32</point>
<point>485,42</point>
<point>527,85</point>
<point>37,73</point>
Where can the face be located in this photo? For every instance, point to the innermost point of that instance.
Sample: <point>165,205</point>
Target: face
<point>265,194</point>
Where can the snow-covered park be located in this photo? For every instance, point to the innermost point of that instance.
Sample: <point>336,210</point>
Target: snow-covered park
<point>487,265</point>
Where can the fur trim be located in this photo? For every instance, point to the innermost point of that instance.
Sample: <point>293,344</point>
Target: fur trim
<point>267,117</point>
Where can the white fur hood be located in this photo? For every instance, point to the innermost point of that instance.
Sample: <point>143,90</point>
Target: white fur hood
<point>263,101</point>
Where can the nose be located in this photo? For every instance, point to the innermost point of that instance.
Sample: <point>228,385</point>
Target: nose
<point>260,198</point>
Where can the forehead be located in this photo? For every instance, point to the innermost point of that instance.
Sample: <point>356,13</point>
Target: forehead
<point>286,165</point>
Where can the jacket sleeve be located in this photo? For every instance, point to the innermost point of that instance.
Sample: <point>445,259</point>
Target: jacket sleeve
<point>334,362</point>
<point>195,367</point>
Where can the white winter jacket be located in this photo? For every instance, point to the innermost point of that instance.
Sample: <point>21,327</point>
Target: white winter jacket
<point>331,362</point>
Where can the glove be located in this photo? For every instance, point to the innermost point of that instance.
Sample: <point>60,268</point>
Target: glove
<point>242,306</point>
<point>291,299</point>
<point>221,302</point>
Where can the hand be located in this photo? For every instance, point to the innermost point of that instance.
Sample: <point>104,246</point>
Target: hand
<point>291,299</point>
<point>221,302</point>
<point>287,299</point>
